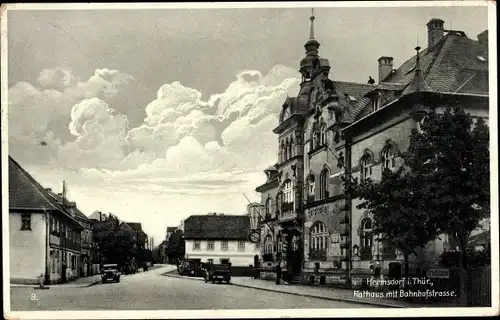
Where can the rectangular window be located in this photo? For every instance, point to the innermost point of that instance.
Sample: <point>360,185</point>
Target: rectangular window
<point>224,245</point>
<point>224,260</point>
<point>210,245</point>
<point>241,245</point>
<point>257,245</point>
<point>26,222</point>
<point>196,245</point>
<point>211,261</point>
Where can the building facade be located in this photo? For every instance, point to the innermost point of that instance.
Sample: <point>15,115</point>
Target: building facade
<point>45,240</point>
<point>219,239</point>
<point>336,129</point>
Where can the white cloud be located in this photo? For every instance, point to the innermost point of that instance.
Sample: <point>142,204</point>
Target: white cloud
<point>186,147</point>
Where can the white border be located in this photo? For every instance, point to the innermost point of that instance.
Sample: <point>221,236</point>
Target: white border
<point>307,313</point>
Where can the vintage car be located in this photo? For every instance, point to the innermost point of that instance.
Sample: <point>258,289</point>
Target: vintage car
<point>110,273</point>
<point>217,273</point>
<point>190,268</point>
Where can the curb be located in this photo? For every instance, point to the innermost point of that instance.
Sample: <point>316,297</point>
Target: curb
<point>378,304</point>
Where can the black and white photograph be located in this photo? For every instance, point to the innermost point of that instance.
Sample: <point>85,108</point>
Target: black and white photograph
<point>249,160</point>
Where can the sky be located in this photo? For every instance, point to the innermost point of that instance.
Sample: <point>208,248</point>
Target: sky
<point>155,115</point>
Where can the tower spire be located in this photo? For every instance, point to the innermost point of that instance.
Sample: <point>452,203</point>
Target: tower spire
<point>311,31</point>
<point>418,83</point>
<point>312,45</point>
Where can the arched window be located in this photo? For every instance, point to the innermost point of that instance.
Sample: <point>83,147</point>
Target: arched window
<point>366,235</point>
<point>268,244</point>
<point>285,151</point>
<point>311,183</point>
<point>314,137</point>
<point>323,135</point>
<point>279,243</point>
<point>279,200</point>
<point>319,237</point>
<point>268,207</point>
<point>323,184</point>
<point>288,191</point>
<point>282,152</point>
<point>290,148</point>
<point>389,158</point>
<point>366,167</point>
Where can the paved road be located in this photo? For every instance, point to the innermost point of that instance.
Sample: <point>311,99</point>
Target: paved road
<point>152,291</point>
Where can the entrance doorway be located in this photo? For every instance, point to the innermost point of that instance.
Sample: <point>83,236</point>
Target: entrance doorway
<point>294,251</point>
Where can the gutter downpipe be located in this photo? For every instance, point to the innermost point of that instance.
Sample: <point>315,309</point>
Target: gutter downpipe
<point>46,277</point>
<point>349,210</point>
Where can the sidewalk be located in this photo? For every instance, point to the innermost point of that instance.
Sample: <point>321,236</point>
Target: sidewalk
<point>78,283</point>
<point>325,293</point>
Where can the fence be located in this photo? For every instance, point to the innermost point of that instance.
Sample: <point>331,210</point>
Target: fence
<point>478,286</point>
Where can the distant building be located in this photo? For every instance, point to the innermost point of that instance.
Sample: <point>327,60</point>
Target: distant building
<point>170,231</point>
<point>44,238</point>
<point>141,237</point>
<point>220,239</point>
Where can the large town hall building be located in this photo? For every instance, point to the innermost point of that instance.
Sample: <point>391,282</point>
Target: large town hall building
<point>333,129</point>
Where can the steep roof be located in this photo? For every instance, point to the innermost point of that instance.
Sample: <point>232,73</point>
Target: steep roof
<point>230,227</point>
<point>353,89</point>
<point>77,213</point>
<point>171,229</point>
<point>27,193</point>
<point>135,225</point>
<point>456,64</point>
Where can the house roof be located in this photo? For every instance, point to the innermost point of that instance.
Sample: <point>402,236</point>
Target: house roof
<point>135,225</point>
<point>456,64</point>
<point>231,227</point>
<point>26,193</point>
<point>96,215</point>
<point>171,229</point>
<point>452,64</point>
<point>77,213</point>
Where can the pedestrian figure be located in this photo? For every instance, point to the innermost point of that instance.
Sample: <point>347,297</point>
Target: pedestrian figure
<point>278,273</point>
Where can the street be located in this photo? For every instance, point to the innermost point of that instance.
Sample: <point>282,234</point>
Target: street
<point>153,291</point>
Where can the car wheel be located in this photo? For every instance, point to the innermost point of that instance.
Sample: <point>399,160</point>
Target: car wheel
<point>213,280</point>
<point>103,281</point>
<point>228,281</point>
<point>118,280</point>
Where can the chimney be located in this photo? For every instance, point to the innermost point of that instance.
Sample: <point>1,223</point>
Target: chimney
<point>483,39</point>
<point>50,190</point>
<point>435,31</point>
<point>384,67</point>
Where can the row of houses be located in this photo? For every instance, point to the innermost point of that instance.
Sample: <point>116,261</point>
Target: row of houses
<point>333,129</point>
<point>49,236</point>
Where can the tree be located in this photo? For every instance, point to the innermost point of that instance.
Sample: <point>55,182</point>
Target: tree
<point>397,214</point>
<point>443,188</point>
<point>116,245</point>
<point>449,163</point>
<point>176,246</point>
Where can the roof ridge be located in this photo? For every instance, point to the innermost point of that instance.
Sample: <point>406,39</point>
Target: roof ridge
<point>32,181</point>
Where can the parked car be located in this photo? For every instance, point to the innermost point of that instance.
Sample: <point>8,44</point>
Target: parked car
<point>110,272</point>
<point>218,272</point>
<point>190,268</point>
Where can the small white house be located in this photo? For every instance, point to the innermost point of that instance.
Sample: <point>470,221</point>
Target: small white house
<point>219,238</point>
